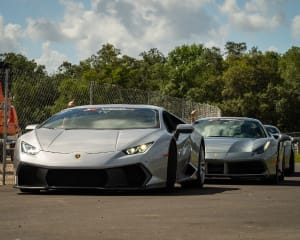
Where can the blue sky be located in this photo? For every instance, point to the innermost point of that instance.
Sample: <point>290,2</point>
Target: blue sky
<point>53,31</point>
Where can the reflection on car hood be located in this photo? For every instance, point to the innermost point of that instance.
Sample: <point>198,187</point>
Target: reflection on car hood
<point>89,141</point>
<point>225,145</point>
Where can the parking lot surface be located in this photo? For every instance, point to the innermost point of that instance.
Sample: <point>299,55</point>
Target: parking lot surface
<point>223,209</point>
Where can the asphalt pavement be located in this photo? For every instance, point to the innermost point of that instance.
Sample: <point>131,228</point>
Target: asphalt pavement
<point>222,210</point>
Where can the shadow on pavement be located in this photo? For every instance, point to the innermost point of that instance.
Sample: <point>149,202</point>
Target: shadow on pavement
<point>293,180</point>
<point>178,191</point>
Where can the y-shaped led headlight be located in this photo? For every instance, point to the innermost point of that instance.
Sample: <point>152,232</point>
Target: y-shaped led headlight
<point>29,149</point>
<point>138,149</point>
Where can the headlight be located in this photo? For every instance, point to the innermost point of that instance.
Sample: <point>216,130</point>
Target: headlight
<point>262,148</point>
<point>29,149</point>
<point>138,149</point>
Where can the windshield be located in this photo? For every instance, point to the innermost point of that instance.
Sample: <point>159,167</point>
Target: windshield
<point>104,118</point>
<point>229,128</point>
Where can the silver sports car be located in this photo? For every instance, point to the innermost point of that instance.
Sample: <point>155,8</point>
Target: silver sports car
<point>110,147</point>
<point>240,147</point>
<point>289,160</point>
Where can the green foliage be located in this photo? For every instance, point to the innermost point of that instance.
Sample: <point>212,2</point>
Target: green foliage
<point>253,84</point>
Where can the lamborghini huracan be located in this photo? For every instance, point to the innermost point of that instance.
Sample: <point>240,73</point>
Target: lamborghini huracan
<point>110,147</point>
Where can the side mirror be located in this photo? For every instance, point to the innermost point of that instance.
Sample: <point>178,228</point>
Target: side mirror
<point>30,127</point>
<point>284,137</point>
<point>183,128</point>
<point>275,135</point>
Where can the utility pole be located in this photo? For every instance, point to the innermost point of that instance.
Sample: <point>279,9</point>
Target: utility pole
<point>4,67</point>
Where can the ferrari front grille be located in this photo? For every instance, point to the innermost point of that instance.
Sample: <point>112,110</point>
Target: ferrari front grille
<point>215,168</point>
<point>246,167</point>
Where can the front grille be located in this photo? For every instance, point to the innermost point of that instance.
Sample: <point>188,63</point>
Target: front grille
<point>241,167</point>
<point>132,176</point>
<point>215,168</point>
<point>76,178</point>
<point>244,167</point>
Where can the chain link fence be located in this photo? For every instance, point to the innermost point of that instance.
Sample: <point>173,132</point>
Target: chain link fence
<point>37,99</point>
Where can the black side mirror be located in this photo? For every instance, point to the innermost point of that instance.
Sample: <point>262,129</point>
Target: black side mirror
<point>284,137</point>
<point>183,128</point>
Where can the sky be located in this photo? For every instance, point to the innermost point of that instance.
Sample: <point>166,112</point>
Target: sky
<point>53,31</point>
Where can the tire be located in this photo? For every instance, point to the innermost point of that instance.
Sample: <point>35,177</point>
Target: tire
<point>201,171</point>
<point>281,177</point>
<point>292,163</point>
<point>277,178</point>
<point>200,174</point>
<point>172,167</point>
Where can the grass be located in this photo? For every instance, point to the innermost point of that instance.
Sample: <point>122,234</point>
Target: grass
<point>297,158</point>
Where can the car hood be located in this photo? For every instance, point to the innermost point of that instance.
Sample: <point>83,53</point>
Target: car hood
<point>90,141</point>
<point>227,145</point>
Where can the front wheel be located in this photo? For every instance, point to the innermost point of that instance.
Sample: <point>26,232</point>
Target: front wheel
<point>201,168</point>
<point>292,163</point>
<point>279,176</point>
<point>172,167</point>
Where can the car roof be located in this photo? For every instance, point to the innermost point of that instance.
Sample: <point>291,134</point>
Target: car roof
<point>230,118</point>
<point>271,126</point>
<point>138,106</point>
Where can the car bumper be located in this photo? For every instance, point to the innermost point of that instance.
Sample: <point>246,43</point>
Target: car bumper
<point>134,176</point>
<point>96,171</point>
<point>248,168</point>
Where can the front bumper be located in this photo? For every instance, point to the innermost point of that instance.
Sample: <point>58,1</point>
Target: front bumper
<point>134,176</point>
<point>244,168</point>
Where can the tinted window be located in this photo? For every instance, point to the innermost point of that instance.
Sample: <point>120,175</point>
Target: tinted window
<point>171,121</point>
<point>272,130</point>
<point>104,118</point>
<point>229,128</point>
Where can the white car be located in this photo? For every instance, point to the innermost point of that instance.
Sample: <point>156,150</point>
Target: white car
<point>110,147</point>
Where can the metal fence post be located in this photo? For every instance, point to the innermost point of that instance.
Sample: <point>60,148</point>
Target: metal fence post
<point>91,91</point>
<point>5,125</point>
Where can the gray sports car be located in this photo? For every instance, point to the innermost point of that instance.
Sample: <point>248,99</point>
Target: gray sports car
<point>110,147</point>
<point>289,159</point>
<point>240,147</point>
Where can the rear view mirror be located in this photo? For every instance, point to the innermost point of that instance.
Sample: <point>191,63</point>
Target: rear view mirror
<point>30,127</point>
<point>183,128</point>
<point>275,135</point>
<point>284,137</point>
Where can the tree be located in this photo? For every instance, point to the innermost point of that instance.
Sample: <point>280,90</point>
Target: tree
<point>251,86</point>
<point>288,105</point>
<point>194,73</point>
<point>233,49</point>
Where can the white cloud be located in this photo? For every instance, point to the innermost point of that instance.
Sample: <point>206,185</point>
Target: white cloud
<point>257,15</point>
<point>265,6</point>
<point>135,26</point>
<point>44,29</point>
<point>273,49</point>
<point>50,58</point>
<point>10,37</point>
<point>296,27</point>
